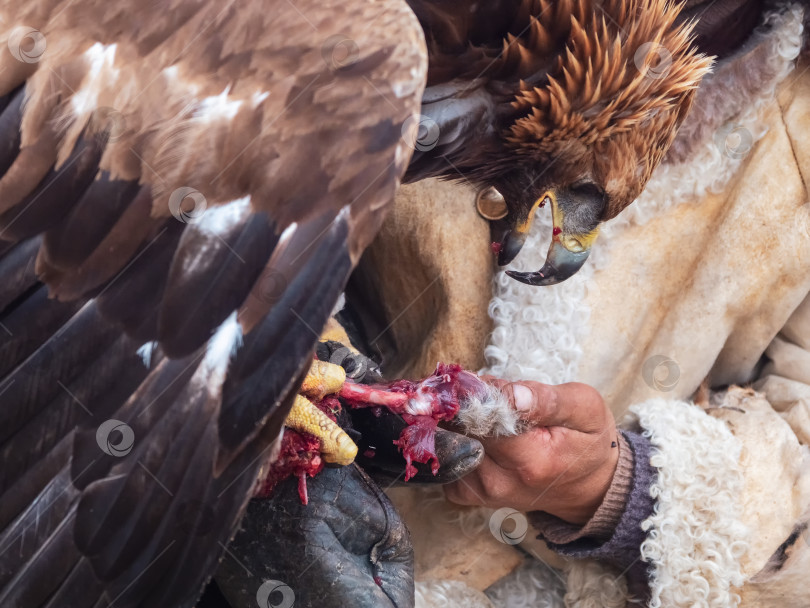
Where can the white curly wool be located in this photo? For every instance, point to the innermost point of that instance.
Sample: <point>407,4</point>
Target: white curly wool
<point>529,586</point>
<point>537,332</point>
<point>592,584</point>
<point>449,594</point>
<point>695,538</point>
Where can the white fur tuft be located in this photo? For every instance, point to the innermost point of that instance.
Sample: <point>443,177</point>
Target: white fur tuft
<point>489,415</point>
<point>220,219</point>
<point>100,58</point>
<point>339,305</point>
<point>217,107</point>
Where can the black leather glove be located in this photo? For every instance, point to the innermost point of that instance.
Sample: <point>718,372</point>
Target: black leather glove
<point>346,548</point>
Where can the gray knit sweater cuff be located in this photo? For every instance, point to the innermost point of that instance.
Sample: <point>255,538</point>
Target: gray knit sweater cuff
<point>622,548</point>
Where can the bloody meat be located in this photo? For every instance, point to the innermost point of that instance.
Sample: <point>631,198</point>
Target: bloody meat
<point>422,404</point>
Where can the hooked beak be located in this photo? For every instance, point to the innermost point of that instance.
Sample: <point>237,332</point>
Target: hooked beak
<point>566,254</point>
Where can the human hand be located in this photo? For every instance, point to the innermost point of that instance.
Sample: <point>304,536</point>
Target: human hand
<point>563,464</point>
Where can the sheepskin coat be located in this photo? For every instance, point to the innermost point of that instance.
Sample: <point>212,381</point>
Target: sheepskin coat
<point>704,278</point>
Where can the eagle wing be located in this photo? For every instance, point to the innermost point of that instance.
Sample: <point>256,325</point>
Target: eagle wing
<point>186,186</point>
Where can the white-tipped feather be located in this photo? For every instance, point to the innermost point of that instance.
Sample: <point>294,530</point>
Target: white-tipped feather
<point>218,107</point>
<point>220,219</point>
<point>286,235</point>
<point>101,59</point>
<point>146,351</point>
<point>221,347</point>
<point>339,305</point>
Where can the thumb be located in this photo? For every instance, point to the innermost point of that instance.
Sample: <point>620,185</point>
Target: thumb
<point>573,405</point>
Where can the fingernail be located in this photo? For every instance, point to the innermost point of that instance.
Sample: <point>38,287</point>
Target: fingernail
<point>523,397</point>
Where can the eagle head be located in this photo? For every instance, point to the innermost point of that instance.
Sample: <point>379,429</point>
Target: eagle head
<point>606,86</point>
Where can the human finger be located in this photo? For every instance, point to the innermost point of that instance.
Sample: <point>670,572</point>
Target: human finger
<point>573,405</point>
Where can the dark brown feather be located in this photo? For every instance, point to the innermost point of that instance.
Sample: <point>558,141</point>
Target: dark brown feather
<point>237,101</point>
<point>211,275</point>
<point>55,196</point>
<point>76,237</point>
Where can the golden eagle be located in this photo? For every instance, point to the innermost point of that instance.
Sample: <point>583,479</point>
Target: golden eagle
<point>186,186</point>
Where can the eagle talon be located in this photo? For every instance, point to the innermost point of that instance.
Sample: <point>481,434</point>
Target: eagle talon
<point>336,446</point>
<point>324,378</point>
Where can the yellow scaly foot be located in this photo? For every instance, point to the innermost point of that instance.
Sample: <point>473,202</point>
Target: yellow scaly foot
<point>324,378</point>
<point>336,446</point>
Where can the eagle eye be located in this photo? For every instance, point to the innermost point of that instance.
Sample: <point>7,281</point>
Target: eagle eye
<point>587,190</point>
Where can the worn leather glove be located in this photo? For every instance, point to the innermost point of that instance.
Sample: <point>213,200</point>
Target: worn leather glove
<point>347,547</point>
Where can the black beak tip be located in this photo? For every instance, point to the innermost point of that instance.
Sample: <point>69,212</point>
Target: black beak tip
<point>529,278</point>
<point>560,265</point>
